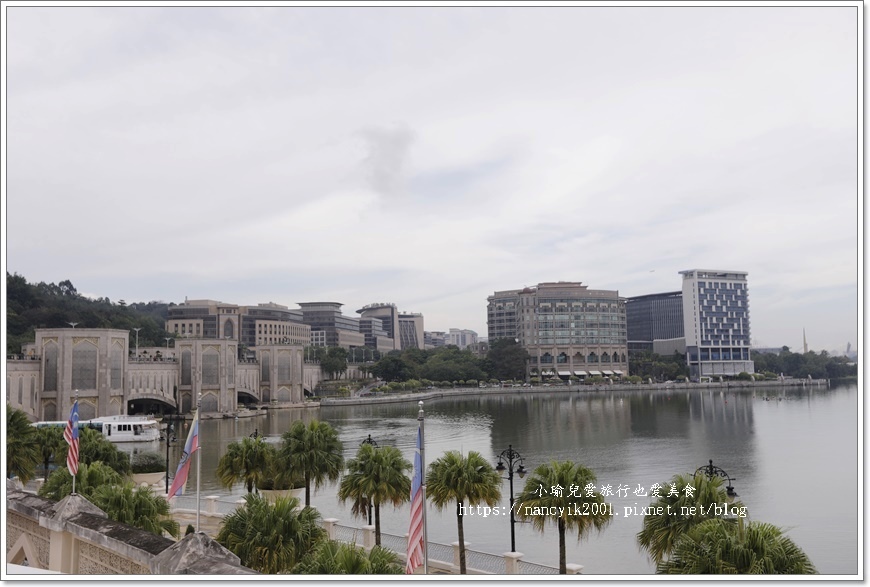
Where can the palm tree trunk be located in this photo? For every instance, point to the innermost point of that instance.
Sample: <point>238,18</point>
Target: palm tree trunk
<point>307,489</point>
<point>563,569</point>
<point>377,524</point>
<point>461,538</point>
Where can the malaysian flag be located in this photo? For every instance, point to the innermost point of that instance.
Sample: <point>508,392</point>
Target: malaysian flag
<point>71,435</point>
<point>191,446</point>
<point>416,543</point>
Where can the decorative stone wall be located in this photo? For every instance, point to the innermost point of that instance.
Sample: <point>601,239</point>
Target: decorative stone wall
<point>17,524</point>
<point>94,560</point>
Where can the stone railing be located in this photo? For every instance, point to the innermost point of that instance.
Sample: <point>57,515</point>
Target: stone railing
<point>73,536</point>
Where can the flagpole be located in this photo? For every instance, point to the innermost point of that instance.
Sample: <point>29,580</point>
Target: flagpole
<point>198,456</point>
<point>423,488</point>
<point>76,423</point>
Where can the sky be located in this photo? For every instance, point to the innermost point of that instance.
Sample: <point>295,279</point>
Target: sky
<point>432,156</point>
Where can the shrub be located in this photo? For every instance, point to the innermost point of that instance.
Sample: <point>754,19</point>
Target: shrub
<point>148,462</point>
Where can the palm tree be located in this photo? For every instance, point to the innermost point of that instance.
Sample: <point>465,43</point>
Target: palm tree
<point>334,558</point>
<point>277,474</point>
<point>136,506</point>
<point>455,478</point>
<point>22,453</point>
<point>244,461</point>
<point>51,446</point>
<point>89,478</point>
<point>716,546</point>
<point>271,537</point>
<point>675,513</point>
<point>562,485</point>
<point>315,452</point>
<point>376,476</point>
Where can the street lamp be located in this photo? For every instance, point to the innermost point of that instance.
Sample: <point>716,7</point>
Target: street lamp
<point>167,339</point>
<point>73,324</point>
<point>372,442</point>
<point>513,458</point>
<point>712,471</point>
<point>137,342</point>
<point>169,437</point>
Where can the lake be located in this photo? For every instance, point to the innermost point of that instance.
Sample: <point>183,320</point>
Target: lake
<point>793,453</point>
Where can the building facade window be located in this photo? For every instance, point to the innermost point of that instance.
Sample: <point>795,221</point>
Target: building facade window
<point>185,367</point>
<point>49,379</point>
<point>116,367</point>
<point>210,367</point>
<point>84,366</point>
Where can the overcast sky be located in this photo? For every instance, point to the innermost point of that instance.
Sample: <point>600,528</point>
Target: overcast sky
<point>432,156</point>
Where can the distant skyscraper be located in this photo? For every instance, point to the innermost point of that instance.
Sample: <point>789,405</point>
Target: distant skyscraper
<point>716,322</point>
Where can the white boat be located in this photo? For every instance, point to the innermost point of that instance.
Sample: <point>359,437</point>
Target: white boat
<point>117,428</point>
<point>126,428</point>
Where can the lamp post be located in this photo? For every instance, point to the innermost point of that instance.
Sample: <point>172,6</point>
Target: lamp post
<point>169,432</point>
<point>73,324</point>
<point>712,471</point>
<point>137,342</point>
<point>167,339</point>
<point>372,442</point>
<point>513,458</point>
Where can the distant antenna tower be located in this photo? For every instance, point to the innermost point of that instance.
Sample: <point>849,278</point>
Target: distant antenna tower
<point>805,341</point>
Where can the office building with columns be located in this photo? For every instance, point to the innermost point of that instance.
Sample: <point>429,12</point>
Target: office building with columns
<point>567,328</point>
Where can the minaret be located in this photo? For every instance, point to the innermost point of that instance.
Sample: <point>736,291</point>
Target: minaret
<point>805,341</point>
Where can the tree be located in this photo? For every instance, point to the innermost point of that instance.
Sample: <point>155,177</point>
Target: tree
<point>137,506</point>
<point>680,512</point>
<point>335,362</point>
<point>550,486</point>
<point>393,368</point>
<point>716,546</point>
<point>334,558</point>
<point>507,359</point>
<point>315,452</point>
<point>89,478</point>
<point>22,453</point>
<point>376,476</point>
<point>455,478</point>
<point>271,537</point>
<point>51,446</point>
<point>244,461</point>
<point>93,447</point>
<point>278,474</point>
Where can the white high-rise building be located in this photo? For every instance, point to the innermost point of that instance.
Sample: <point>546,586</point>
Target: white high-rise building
<point>462,338</point>
<point>716,322</point>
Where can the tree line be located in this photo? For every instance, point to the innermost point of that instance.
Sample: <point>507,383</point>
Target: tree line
<point>49,305</point>
<point>820,365</point>
<point>505,360</point>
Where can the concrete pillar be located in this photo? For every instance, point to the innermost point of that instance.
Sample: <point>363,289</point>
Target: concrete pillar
<point>512,562</point>
<point>573,569</point>
<point>329,526</point>
<point>211,505</point>
<point>368,537</point>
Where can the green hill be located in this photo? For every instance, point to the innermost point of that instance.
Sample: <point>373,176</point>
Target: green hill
<point>48,305</point>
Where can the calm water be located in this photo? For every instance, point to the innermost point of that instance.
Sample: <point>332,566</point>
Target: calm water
<point>793,455</point>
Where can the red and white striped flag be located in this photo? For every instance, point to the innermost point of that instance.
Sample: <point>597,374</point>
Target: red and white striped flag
<point>416,544</point>
<point>190,447</point>
<point>71,435</point>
